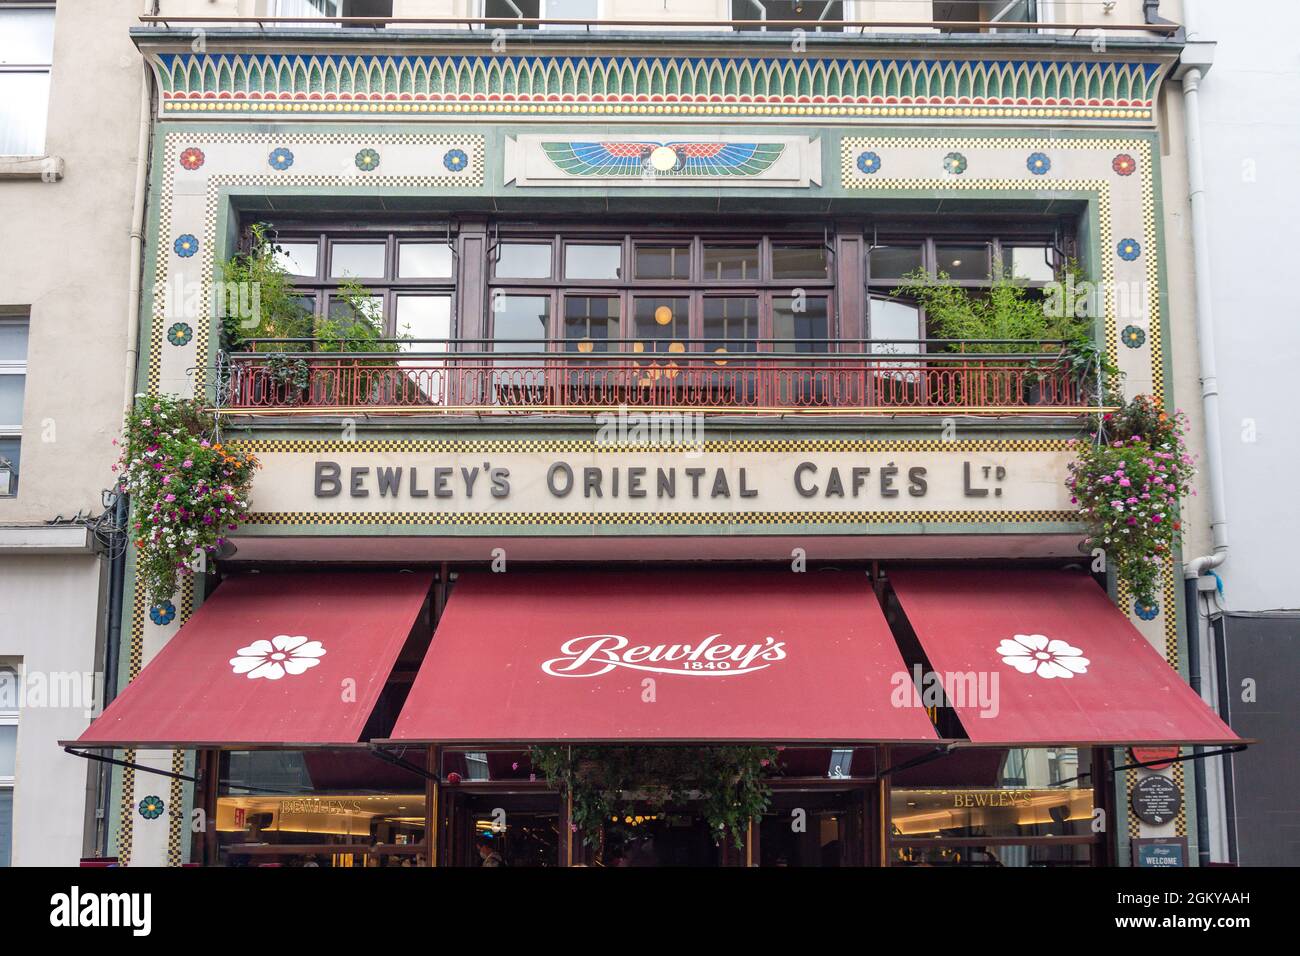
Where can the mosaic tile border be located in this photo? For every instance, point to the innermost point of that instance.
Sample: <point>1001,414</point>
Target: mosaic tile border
<point>426,519</point>
<point>501,446</point>
<point>178,146</point>
<point>856,178</point>
<point>1030,89</point>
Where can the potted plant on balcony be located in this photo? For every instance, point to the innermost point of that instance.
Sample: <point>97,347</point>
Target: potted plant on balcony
<point>257,300</point>
<point>357,325</point>
<point>1005,313</point>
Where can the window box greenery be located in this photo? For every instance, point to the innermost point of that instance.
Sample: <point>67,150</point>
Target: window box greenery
<point>1004,319</point>
<point>261,302</point>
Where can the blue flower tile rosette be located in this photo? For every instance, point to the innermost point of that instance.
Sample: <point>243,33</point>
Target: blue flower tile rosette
<point>868,163</point>
<point>366,160</point>
<point>163,613</point>
<point>455,160</point>
<point>1147,612</point>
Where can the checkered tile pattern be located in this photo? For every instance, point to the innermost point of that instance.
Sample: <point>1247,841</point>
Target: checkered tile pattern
<point>655,519</point>
<point>526,445</point>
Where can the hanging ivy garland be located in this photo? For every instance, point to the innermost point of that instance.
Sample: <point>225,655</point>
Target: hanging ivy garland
<point>730,783</point>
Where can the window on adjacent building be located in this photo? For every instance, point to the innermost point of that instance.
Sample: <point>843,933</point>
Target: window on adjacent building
<point>805,11</point>
<point>13,379</point>
<point>8,756</point>
<point>987,12</point>
<point>26,57</point>
<point>586,10</point>
<point>331,8</point>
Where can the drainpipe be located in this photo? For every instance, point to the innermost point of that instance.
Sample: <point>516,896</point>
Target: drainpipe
<point>122,511</point>
<point>137,238</point>
<point>1193,64</point>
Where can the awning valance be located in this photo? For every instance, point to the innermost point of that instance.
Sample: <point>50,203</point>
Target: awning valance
<point>1070,667</point>
<point>294,659</point>
<point>682,655</point>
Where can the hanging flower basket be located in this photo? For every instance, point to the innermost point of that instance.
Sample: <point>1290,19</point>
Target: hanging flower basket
<point>1128,480</point>
<point>188,490</point>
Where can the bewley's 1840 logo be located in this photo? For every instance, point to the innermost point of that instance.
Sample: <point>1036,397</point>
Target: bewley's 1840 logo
<point>592,655</point>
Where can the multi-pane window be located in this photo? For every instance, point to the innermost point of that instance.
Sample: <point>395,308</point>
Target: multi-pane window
<point>661,293</point>
<point>26,57</point>
<point>968,260</point>
<point>688,290</point>
<point>13,379</point>
<point>407,276</point>
<point>8,754</point>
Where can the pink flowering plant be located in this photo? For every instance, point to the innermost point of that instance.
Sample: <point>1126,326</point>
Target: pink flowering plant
<point>187,490</point>
<point>1128,482</point>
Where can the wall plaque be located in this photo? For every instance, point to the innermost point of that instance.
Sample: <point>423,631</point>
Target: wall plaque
<point>1156,799</point>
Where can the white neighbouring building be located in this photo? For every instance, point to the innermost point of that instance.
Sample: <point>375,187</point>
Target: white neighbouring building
<point>70,104</point>
<point>1249,130</point>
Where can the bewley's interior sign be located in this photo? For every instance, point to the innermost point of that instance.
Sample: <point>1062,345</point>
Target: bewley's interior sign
<point>612,480</point>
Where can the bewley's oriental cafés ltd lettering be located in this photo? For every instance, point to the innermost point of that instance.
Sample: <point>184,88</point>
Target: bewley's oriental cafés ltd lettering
<point>806,479</point>
<point>598,481</point>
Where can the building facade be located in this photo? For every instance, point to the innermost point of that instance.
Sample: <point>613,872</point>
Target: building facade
<point>69,168</point>
<point>651,272</point>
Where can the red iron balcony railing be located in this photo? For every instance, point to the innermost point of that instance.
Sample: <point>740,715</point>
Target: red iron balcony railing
<point>750,382</point>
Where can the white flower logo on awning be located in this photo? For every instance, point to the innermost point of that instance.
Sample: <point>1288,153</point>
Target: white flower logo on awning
<point>1037,654</point>
<point>280,655</point>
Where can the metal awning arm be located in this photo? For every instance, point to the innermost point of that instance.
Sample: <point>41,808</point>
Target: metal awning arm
<point>92,755</point>
<point>1223,752</point>
<point>397,761</point>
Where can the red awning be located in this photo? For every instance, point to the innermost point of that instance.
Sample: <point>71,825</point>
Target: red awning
<point>660,655</point>
<point>1070,668</point>
<point>270,659</point>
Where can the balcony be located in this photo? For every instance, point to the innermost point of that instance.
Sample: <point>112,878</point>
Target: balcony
<point>456,378</point>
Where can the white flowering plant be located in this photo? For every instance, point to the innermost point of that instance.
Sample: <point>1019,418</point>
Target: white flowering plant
<point>1128,480</point>
<point>187,490</point>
